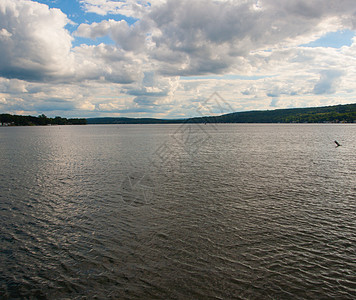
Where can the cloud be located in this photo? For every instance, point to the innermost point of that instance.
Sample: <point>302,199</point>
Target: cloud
<point>4,34</point>
<point>12,104</point>
<point>212,37</point>
<point>274,102</point>
<point>174,38</point>
<point>127,8</point>
<point>154,92</point>
<point>145,101</point>
<point>54,104</point>
<point>129,38</point>
<point>13,86</point>
<point>106,63</point>
<point>329,79</point>
<point>95,30</point>
<point>249,91</point>
<point>34,44</point>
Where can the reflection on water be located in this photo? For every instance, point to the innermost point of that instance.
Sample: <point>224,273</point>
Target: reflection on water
<point>165,211</point>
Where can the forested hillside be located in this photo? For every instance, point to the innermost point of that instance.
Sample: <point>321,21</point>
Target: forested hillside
<point>15,120</point>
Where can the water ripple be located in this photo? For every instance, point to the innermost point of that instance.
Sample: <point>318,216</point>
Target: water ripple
<point>238,220</point>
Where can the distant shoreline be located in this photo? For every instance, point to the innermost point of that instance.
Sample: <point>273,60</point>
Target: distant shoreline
<point>327,114</point>
<point>163,124</point>
<point>311,115</point>
<point>7,120</point>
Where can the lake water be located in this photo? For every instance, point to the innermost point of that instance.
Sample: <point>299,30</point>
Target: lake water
<point>226,211</point>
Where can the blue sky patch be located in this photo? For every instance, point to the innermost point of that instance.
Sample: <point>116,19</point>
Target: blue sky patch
<point>336,39</point>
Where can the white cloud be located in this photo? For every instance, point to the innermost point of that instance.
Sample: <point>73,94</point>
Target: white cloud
<point>208,37</point>
<point>127,8</point>
<point>4,34</point>
<point>329,79</point>
<point>95,30</point>
<point>129,38</point>
<point>106,63</point>
<point>37,46</point>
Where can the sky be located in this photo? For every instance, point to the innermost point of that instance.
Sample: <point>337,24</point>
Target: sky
<point>174,59</point>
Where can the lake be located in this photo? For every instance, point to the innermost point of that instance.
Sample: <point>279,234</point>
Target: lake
<point>184,211</point>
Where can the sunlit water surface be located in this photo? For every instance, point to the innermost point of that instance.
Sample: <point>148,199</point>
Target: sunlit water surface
<point>178,212</point>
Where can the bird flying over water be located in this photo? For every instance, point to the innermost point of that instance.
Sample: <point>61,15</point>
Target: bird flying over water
<point>337,143</point>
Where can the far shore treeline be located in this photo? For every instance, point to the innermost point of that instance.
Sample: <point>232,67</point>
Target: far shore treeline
<point>327,114</point>
<point>15,120</point>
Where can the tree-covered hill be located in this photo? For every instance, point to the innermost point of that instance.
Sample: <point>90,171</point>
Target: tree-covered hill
<point>327,114</point>
<point>15,120</point>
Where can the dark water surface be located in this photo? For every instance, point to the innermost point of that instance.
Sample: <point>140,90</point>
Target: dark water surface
<point>178,212</point>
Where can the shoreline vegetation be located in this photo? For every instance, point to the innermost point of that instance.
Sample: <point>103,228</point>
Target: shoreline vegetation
<point>327,114</point>
<point>42,120</point>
